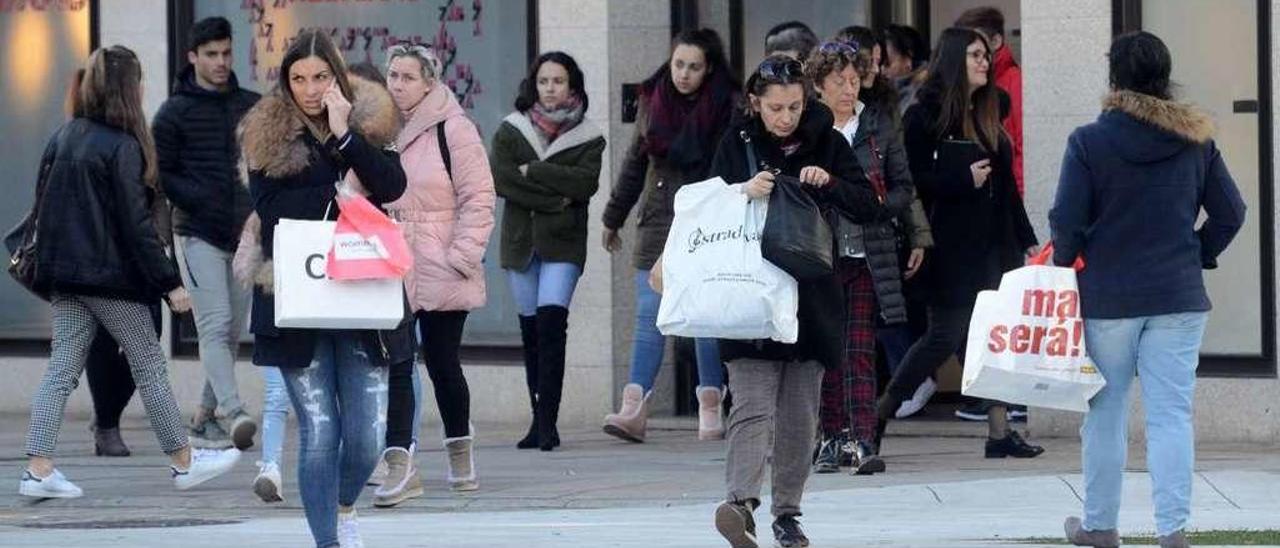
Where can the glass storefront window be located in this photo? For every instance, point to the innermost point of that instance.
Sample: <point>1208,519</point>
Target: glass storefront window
<point>41,46</point>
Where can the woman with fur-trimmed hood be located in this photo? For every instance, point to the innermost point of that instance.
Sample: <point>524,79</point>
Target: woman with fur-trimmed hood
<point>1130,195</point>
<point>297,142</point>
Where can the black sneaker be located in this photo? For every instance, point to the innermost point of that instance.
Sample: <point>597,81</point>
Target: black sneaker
<point>736,524</point>
<point>1017,413</point>
<point>210,435</point>
<point>787,533</point>
<point>1012,445</point>
<point>847,449</point>
<point>975,411</point>
<point>828,459</point>
<point>866,461</point>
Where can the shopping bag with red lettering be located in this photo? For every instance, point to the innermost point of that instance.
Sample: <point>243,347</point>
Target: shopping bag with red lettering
<point>367,245</point>
<point>1026,343</point>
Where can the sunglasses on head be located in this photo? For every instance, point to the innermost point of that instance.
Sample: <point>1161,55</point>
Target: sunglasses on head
<point>840,46</point>
<point>404,48</point>
<point>778,70</point>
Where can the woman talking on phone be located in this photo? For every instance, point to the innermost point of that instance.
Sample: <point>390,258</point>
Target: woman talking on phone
<point>962,163</point>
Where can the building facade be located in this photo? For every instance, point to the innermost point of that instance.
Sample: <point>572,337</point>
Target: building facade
<point>1223,61</point>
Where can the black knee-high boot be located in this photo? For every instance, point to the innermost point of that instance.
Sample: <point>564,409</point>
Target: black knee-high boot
<point>529,340</point>
<point>553,322</point>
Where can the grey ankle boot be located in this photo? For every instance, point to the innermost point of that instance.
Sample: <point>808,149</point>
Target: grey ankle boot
<point>1174,540</point>
<point>108,443</point>
<point>1079,536</point>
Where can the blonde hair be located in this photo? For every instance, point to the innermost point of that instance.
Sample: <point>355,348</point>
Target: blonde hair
<point>429,63</point>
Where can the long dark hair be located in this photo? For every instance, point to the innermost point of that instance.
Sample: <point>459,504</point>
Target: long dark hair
<point>948,83</point>
<point>712,47</point>
<point>692,124</point>
<point>528,95</point>
<point>313,43</point>
<point>111,93</point>
<point>1140,62</point>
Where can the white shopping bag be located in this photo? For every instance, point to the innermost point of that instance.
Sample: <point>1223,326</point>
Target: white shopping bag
<point>1026,343</point>
<point>306,298</point>
<point>715,282</point>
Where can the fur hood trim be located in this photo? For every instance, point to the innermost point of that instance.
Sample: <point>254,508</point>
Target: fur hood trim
<point>271,133</point>
<point>1181,119</point>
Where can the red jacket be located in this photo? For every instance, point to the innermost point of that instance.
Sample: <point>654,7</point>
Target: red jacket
<point>1009,79</point>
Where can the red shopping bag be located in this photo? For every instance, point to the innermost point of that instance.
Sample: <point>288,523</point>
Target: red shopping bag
<point>367,244</point>
<point>1045,258</point>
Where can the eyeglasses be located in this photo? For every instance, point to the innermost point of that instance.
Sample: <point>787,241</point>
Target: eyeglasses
<point>784,71</point>
<point>979,55</point>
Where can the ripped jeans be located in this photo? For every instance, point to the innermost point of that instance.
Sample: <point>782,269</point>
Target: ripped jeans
<point>341,404</point>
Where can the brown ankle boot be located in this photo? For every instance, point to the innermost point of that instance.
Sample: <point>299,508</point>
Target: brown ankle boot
<point>108,443</point>
<point>710,423</point>
<point>629,422</point>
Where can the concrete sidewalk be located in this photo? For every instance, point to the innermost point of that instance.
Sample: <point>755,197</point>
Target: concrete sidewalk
<point>599,492</point>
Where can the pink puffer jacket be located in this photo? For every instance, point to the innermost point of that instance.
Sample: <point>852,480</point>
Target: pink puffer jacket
<point>447,224</point>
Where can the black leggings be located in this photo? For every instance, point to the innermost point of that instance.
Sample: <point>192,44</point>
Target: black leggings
<point>110,382</point>
<point>946,334</point>
<point>441,334</point>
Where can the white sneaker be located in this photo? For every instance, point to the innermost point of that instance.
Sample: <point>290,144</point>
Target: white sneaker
<point>268,483</point>
<point>918,400</point>
<point>206,464</point>
<point>55,486</point>
<point>349,531</point>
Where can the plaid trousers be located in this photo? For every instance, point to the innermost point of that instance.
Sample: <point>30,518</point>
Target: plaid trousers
<point>849,391</point>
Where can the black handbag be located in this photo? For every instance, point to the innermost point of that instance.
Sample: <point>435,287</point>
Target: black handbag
<point>796,236</point>
<point>22,238</point>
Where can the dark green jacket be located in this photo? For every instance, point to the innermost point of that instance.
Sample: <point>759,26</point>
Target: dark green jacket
<point>546,210</point>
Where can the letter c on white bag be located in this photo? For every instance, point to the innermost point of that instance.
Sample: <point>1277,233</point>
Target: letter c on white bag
<point>311,270</point>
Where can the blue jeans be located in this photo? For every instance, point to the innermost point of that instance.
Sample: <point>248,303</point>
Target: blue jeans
<point>648,344</point>
<point>341,402</point>
<point>543,284</point>
<point>1164,352</point>
<point>275,414</point>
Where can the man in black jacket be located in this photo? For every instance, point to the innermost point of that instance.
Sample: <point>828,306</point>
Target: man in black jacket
<point>195,133</point>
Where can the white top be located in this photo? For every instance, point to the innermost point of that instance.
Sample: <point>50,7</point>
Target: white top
<point>851,127</point>
<point>849,130</point>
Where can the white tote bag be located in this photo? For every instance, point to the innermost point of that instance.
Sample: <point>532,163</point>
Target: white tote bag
<point>1026,343</point>
<point>715,282</point>
<point>306,298</point>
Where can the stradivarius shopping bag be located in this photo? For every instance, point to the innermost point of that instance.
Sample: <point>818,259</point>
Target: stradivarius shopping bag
<point>1026,343</point>
<point>367,245</point>
<point>716,284</point>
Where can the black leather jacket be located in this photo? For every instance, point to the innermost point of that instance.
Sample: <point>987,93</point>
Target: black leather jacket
<point>96,234</point>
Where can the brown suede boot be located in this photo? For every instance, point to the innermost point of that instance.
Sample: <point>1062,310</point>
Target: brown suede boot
<point>462,463</point>
<point>710,423</point>
<point>402,482</point>
<point>629,422</point>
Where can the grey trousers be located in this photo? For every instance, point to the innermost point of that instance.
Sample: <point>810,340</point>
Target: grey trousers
<point>75,322</point>
<point>775,412</point>
<point>221,307</point>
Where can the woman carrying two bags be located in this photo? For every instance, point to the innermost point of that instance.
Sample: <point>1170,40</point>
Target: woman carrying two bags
<point>774,383</point>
